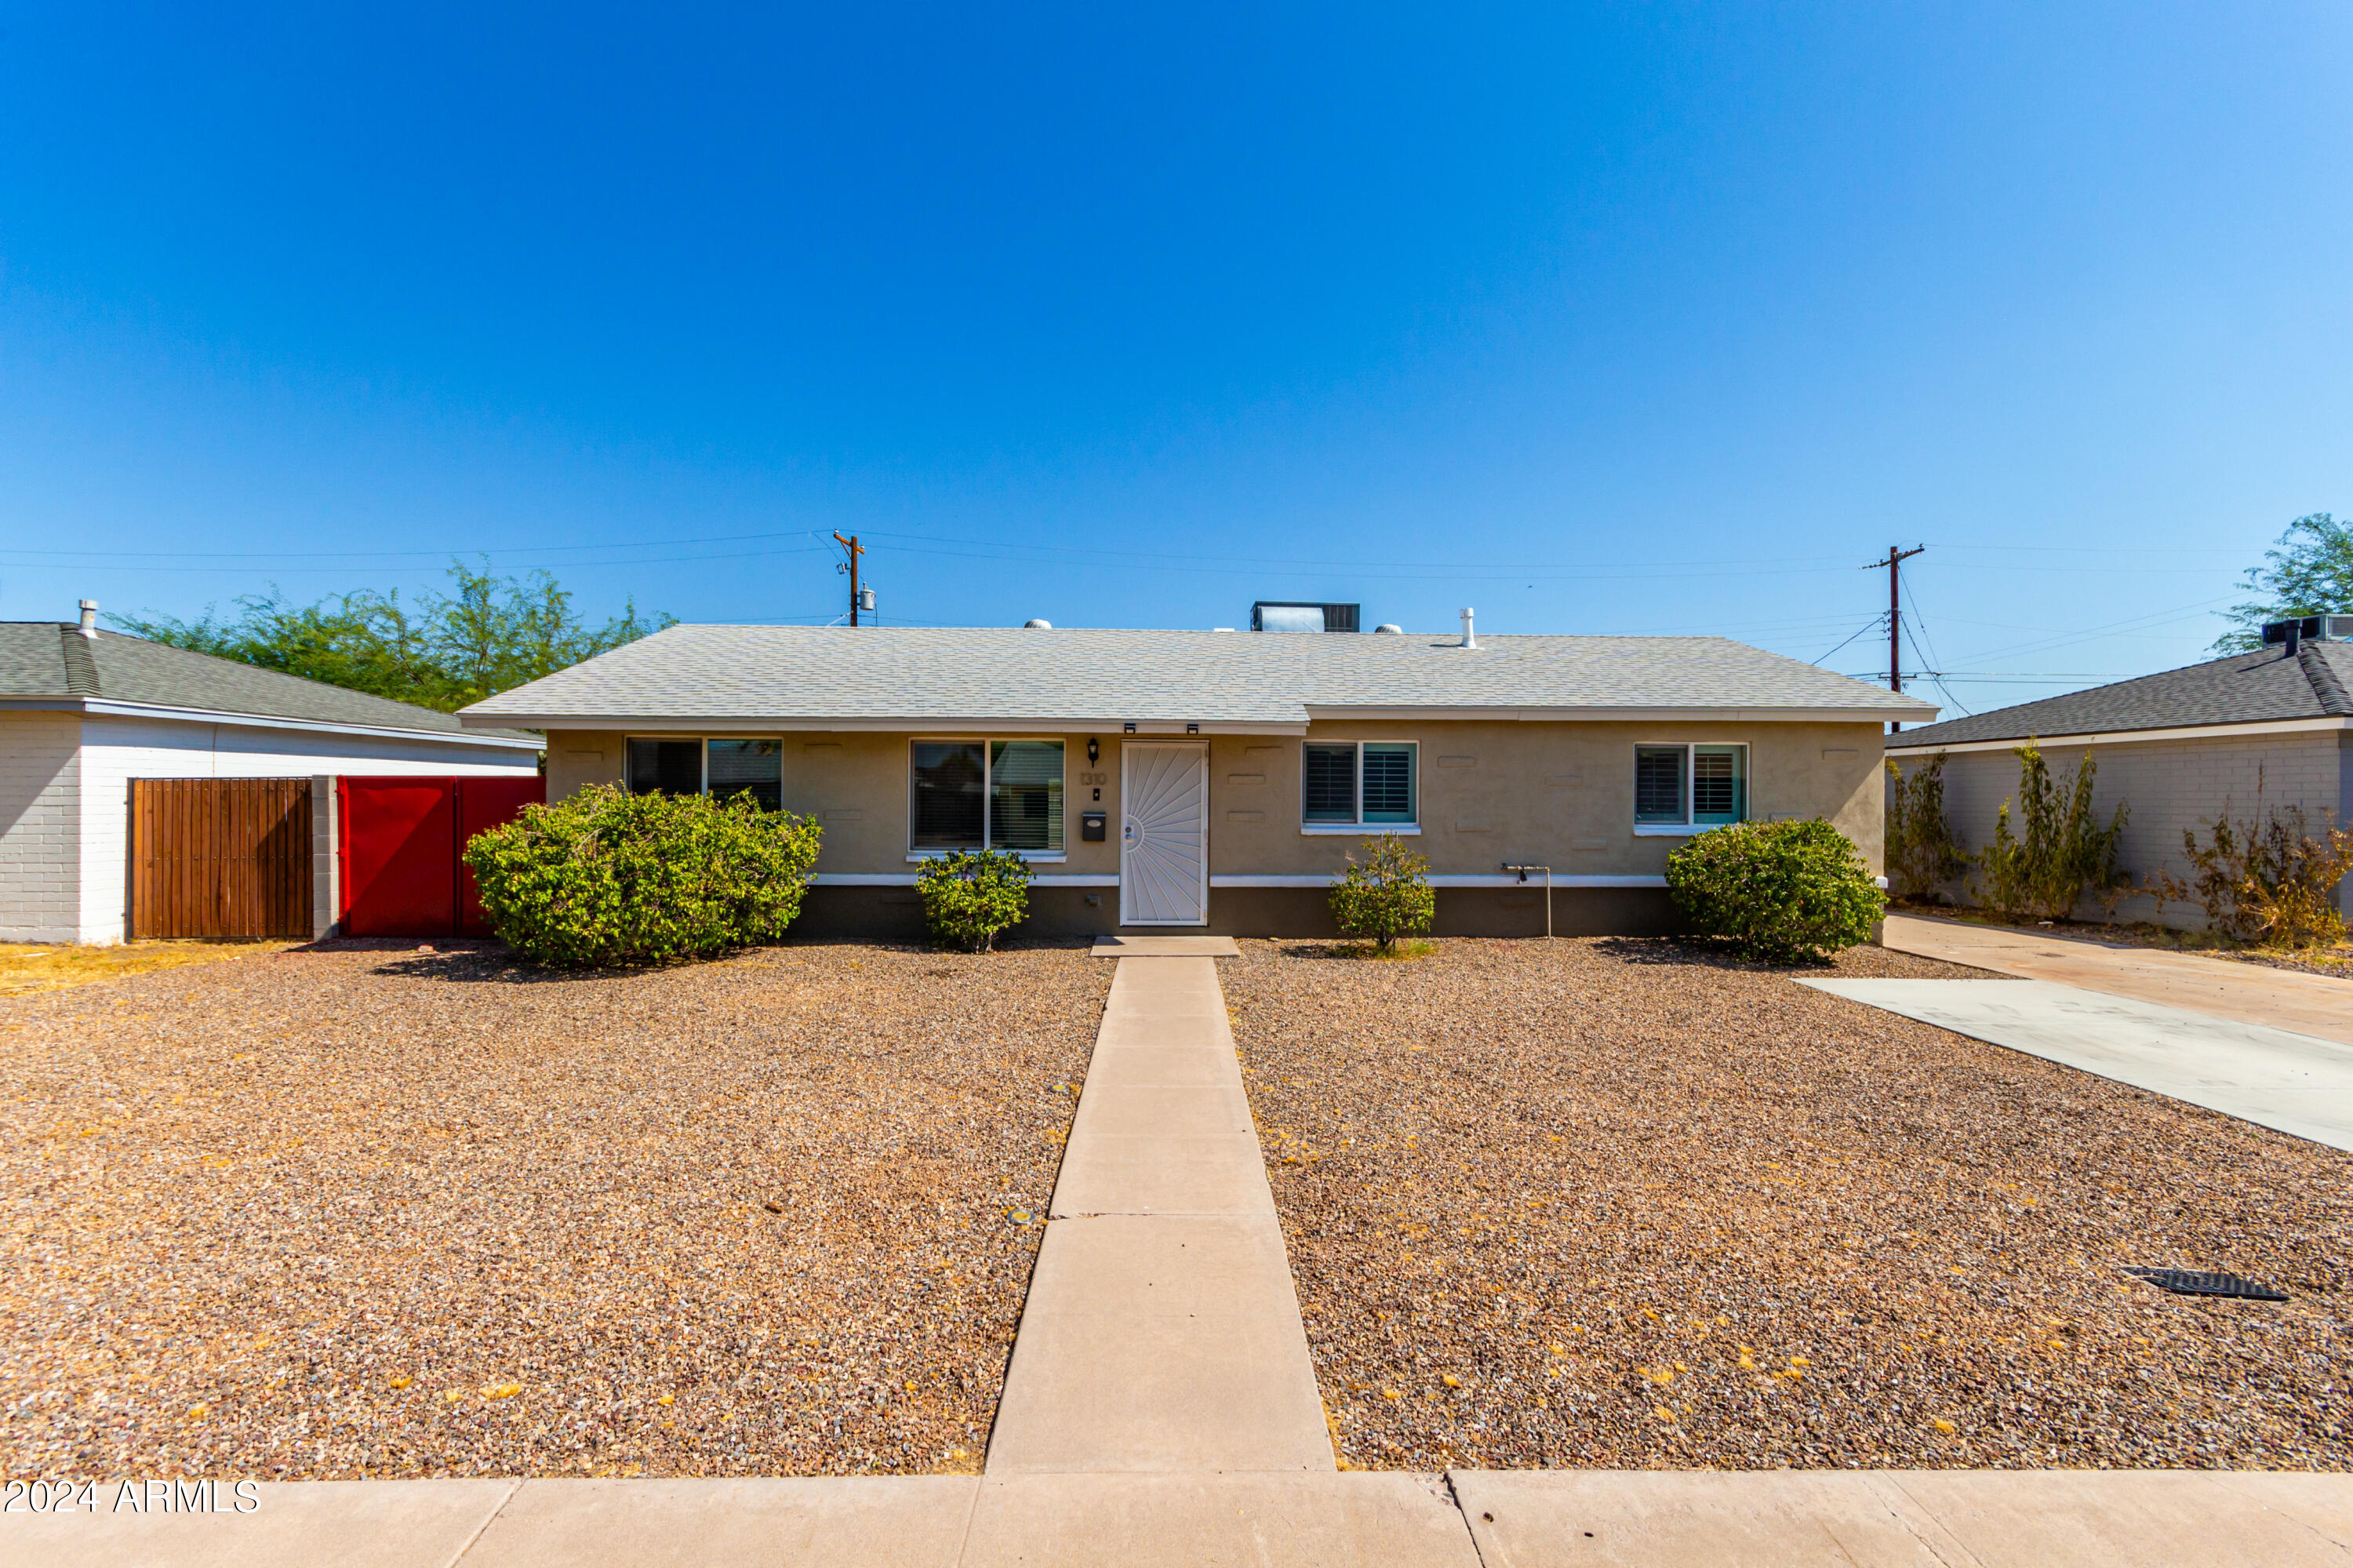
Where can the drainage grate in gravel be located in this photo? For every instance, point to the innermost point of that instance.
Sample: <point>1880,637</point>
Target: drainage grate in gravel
<point>2189,1282</point>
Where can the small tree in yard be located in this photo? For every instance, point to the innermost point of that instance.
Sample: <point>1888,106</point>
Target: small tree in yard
<point>1385,898</point>
<point>1923,856</point>
<point>2067,851</point>
<point>609,878</point>
<point>1782,892</point>
<point>969,896</point>
<point>2266,879</point>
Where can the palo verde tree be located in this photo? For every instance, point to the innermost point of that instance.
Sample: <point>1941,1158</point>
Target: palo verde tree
<point>440,650</point>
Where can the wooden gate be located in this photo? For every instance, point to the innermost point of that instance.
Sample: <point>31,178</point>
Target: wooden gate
<point>220,857</point>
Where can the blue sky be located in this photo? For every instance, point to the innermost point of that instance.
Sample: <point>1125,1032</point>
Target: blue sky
<point>1614,319</point>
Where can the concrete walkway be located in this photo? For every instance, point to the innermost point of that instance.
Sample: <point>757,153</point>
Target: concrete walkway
<point>1161,1331</point>
<point>2320,1005</point>
<point>2295,1083</point>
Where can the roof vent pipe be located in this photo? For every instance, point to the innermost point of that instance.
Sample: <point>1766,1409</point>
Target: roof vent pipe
<point>1470,638</point>
<point>89,618</point>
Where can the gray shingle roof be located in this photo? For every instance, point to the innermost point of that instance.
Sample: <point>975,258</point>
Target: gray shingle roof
<point>45,658</point>
<point>1089,677</point>
<point>2244,688</point>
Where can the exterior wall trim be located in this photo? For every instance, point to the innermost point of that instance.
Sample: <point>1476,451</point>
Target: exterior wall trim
<point>2129,737</point>
<point>901,879</point>
<point>1489,880</point>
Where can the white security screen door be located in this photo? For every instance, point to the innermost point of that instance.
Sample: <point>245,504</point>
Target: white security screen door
<point>1164,841</point>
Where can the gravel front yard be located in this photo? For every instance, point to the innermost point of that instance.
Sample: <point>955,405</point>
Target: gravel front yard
<point>411,1214</point>
<point>1618,1203</point>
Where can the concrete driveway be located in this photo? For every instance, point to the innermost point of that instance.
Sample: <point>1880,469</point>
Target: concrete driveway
<point>2298,1084</point>
<point>2221,988</point>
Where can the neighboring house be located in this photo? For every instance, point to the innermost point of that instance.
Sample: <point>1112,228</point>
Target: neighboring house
<point>84,712</point>
<point>1217,781</point>
<point>2180,748</point>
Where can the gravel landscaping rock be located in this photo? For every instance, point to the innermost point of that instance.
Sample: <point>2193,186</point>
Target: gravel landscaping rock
<point>372,1213</point>
<point>1628,1203</point>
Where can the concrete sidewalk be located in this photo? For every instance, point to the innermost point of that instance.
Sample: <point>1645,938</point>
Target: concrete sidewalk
<point>1481,1518</point>
<point>2319,1005</point>
<point>2295,1083</point>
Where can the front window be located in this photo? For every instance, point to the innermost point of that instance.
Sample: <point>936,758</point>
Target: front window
<point>723,768</point>
<point>1360,782</point>
<point>1690,785</point>
<point>971,794</point>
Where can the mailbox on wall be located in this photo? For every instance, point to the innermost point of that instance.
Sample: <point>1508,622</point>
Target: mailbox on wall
<point>1091,827</point>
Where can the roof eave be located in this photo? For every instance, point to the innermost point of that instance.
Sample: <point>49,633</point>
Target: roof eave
<point>1910,746</point>
<point>111,708</point>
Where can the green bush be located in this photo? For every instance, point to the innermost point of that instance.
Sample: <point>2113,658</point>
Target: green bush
<point>969,896</point>
<point>1386,898</point>
<point>609,878</point>
<point>1782,892</point>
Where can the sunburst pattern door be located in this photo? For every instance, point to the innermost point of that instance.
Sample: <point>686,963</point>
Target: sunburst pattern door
<point>1164,843</point>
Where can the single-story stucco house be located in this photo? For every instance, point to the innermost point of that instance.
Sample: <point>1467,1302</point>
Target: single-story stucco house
<point>2179,748</point>
<point>84,711</point>
<point>1217,781</point>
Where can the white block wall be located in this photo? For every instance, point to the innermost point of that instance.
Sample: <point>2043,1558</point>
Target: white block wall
<point>41,816</point>
<point>2170,785</point>
<point>117,751</point>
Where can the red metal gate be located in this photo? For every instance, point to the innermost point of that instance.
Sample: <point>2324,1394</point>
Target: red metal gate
<point>399,840</point>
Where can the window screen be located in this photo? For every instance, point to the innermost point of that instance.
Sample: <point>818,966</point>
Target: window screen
<point>945,813</point>
<point>1025,795</point>
<point>666,767</point>
<point>1659,784</point>
<point>1331,774</point>
<point>754,768</point>
<point>1388,782</point>
<point>1719,787</point>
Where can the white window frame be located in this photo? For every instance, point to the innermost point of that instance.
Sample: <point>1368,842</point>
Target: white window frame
<point>987,766</point>
<point>1360,827</point>
<point>1687,828</point>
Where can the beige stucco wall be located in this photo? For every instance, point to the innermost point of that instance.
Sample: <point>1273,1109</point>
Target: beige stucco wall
<point>1558,794</point>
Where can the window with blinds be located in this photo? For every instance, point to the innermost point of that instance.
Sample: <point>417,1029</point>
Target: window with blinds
<point>971,795</point>
<point>1025,795</point>
<point>1690,785</point>
<point>1389,781</point>
<point>1719,787</point>
<point>948,780</point>
<point>1360,783</point>
<point>754,768</point>
<point>1659,784</point>
<point>1331,775</point>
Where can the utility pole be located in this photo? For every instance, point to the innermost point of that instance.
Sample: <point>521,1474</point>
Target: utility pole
<point>1895,563</point>
<point>853,549</point>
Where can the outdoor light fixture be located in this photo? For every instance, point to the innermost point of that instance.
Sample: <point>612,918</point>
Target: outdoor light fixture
<point>1129,727</point>
<point>1192,729</point>
<point>1095,750</point>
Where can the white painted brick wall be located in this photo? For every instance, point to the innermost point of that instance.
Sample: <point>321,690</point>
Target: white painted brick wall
<point>2169,785</point>
<point>40,826</point>
<point>117,751</point>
